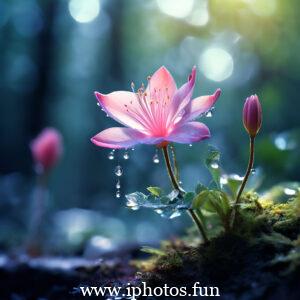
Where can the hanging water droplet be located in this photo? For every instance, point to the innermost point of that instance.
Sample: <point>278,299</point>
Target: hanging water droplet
<point>126,155</point>
<point>107,115</point>
<point>118,194</point>
<point>156,158</point>
<point>190,145</point>
<point>180,182</point>
<point>214,165</point>
<point>208,114</point>
<point>253,171</point>
<point>118,170</point>
<point>111,155</point>
<point>132,149</point>
<point>98,104</point>
<point>118,184</point>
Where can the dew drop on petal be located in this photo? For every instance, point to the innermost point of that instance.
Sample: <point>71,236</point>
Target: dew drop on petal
<point>118,184</point>
<point>118,171</point>
<point>253,171</point>
<point>126,155</point>
<point>98,104</point>
<point>111,155</point>
<point>190,145</point>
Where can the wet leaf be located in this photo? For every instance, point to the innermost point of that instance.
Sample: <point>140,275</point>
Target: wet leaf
<point>188,197</point>
<point>155,190</point>
<point>167,206</point>
<point>212,163</point>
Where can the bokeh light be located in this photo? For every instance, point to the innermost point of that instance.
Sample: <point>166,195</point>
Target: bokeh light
<point>181,9</point>
<point>84,11</point>
<point>199,16</point>
<point>216,64</point>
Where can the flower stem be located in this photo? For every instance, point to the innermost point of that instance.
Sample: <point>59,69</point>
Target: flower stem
<point>249,167</point>
<point>176,187</point>
<point>175,164</point>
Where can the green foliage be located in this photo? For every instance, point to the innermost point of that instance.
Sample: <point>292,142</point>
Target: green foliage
<point>212,163</point>
<point>155,191</point>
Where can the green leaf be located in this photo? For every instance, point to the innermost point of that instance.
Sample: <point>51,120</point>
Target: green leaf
<point>233,182</point>
<point>188,197</point>
<point>155,190</point>
<point>200,199</point>
<point>212,163</point>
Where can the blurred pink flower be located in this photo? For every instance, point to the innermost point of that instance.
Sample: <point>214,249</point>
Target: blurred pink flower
<point>158,115</point>
<point>252,115</point>
<point>46,148</point>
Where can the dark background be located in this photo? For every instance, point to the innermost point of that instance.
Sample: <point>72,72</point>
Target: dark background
<point>54,54</point>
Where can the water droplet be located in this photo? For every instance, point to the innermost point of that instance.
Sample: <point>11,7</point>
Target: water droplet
<point>253,171</point>
<point>107,115</point>
<point>126,155</point>
<point>118,194</point>
<point>223,179</point>
<point>155,158</point>
<point>132,149</point>
<point>214,165</point>
<point>118,170</point>
<point>118,184</point>
<point>289,192</point>
<point>190,145</point>
<point>111,155</point>
<point>98,104</point>
<point>208,114</point>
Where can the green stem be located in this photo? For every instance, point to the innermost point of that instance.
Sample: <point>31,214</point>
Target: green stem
<point>176,187</point>
<point>248,172</point>
<point>175,164</point>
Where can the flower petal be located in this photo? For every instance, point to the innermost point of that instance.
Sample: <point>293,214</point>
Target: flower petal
<point>188,133</point>
<point>160,81</point>
<point>201,105</point>
<point>124,107</point>
<point>122,137</point>
<point>182,96</point>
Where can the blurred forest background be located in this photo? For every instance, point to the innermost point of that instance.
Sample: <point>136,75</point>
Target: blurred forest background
<point>56,53</point>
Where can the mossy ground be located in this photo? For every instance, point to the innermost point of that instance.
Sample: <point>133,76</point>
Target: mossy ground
<point>258,259</point>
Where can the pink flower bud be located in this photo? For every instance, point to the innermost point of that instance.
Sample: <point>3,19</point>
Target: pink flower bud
<point>46,149</point>
<point>252,115</point>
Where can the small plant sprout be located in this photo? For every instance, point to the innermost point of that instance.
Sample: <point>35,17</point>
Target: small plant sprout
<point>46,151</point>
<point>252,119</point>
<point>160,114</point>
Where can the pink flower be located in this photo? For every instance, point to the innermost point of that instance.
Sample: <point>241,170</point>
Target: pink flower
<point>46,148</point>
<point>160,114</point>
<point>252,115</point>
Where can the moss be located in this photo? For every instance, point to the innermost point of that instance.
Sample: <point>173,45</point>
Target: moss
<point>244,260</point>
